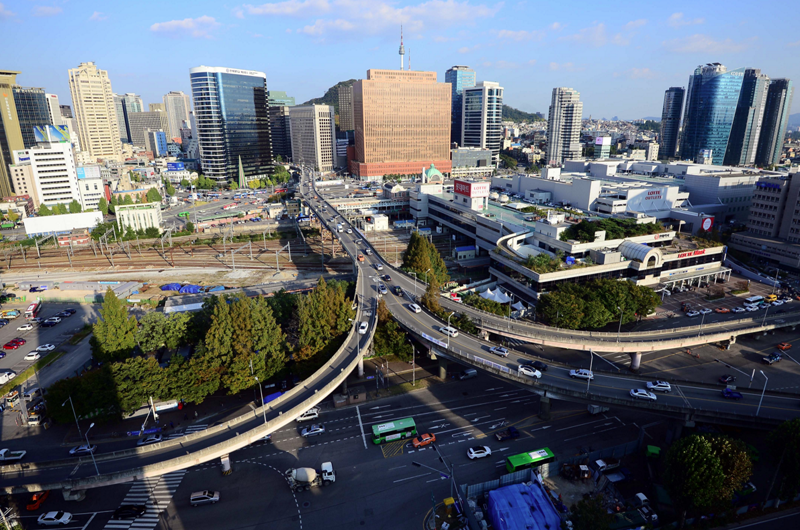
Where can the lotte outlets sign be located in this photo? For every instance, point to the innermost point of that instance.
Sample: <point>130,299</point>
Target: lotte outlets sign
<point>471,189</point>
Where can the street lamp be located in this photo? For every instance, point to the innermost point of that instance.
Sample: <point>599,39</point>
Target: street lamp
<point>415,284</point>
<point>763,321</point>
<point>74,415</point>
<point>88,446</point>
<point>589,379</point>
<point>619,329</point>
<point>699,331</point>
<point>413,364</point>
<point>263,408</point>
<point>426,276</point>
<point>766,381</point>
<point>448,328</point>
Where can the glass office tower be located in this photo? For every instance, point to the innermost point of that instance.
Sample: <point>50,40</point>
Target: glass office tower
<point>460,77</point>
<point>482,115</point>
<point>670,122</point>
<point>776,116</point>
<point>231,112</point>
<point>746,127</point>
<point>32,111</point>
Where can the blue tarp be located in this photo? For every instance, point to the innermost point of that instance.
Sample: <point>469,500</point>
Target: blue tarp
<point>272,396</point>
<point>520,506</point>
<point>171,287</point>
<point>217,288</point>
<point>190,289</point>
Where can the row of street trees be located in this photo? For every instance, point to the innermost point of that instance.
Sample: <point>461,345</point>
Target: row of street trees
<point>422,258</point>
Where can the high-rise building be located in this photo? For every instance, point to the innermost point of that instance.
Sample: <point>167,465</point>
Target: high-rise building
<point>93,102</point>
<point>313,129</point>
<point>671,122</point>
<point>66,111</point>
<point>459,77</point>
<point>746,128</point>
<point>156,107</point>
<point>346,108</point>
<point>776,116</point>
<point>231,112</point>
<point>277,98</point>
<point>126,104</point>
<point>177,105</point>
<point>10,133</point>
<point>32,111</point>
<point>54,172</point>
<point>402,123</point>
<point>482,115</point>
<point>156,142</point>
<point>23,182</point>
<point>141,122</point>
<point>564,126</point>
<point>281,133</point>
<point>54,110</point>
<point>90,186</point>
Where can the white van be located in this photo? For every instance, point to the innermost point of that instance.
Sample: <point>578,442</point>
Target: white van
<point>449,330</point>
<point>31,394</point>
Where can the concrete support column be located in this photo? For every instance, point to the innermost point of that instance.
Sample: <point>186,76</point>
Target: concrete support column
<point>442,368</point>
<point>226,464</point>
<point>484,334</point>
<point>544,408</point>
<point>636,360</point>
<point>361,365</point>
<point>70,495</point>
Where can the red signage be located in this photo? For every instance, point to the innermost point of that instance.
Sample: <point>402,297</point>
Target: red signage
<point>708,222</point>
<point>691,254</point>
<point>471,189</point>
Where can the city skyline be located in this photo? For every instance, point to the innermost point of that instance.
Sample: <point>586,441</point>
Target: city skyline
<point>600,54</point>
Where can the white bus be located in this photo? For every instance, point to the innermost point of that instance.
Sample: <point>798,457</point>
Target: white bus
<point>753,300</point>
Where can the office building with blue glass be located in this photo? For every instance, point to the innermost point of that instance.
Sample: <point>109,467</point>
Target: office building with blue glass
<point>670,122</point>
<point>32,111</point>
<point>233,129</point>
<point>746,127</point>
<point>460,77</point>
<point>776,118</point>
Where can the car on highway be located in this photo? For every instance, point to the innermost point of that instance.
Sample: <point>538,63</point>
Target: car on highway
<point>693,313</point>
<point>752,308</point>
<point>151,439</point>
<point>83,450</point>
<point>499,350</point>
<point>784,346</point>
<point>774,357</point>
<point>129,511</point>
<point>312,430</point>
<point>508,434</point>
<point>54,518</point>
<point>398,290</point>
<point>423,439</point>
<point>362,328</point>
<point>660,386</point>
<point>414,308</point>
<point>705,311</point>
<point>46,347</point>
<point>387,278</point>
<point>382,289</point>
<point>37,499</point>
<point>530,372</point>
<point>722,310</point>
<point>738,310</point>
<point>378,267</point>
<point>581,374</point>
<point>641,393</point>
<point>349,231</point>
<point>727,393</point>
<point>33,356</point>
<point>727,379</point>
<point>449,330</point>
<point>25,327</point>
<point>481,451</point>
<point>7,376</point>
<point>310,414</point>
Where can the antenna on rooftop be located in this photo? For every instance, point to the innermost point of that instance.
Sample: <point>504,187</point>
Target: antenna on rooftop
<point>402,51</point>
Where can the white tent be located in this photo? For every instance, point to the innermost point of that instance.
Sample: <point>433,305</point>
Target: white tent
<point>518,306</point>
<point>497,296</point>
<point>487,294</point>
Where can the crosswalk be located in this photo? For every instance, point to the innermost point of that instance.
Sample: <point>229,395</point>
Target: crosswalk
<point>155,493</point>
<point>189,430</point>
<point>514,342</point>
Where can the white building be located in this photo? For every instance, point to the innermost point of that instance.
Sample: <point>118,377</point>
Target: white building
<point>90,186</point>
<point>54,172</point>
<point>482,115</point>
<point>139,216</point>
<point>313,132</point>
<point>564,126</point>
<point>177,106</point>
<point>95,111</point>
<point>54,109</point>
<point>58,224</point>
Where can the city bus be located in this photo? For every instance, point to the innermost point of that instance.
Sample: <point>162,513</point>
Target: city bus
<point>394,430</point>
<point>184,214</point>
<point>753,300</point>
<point>33,310</point>
<point>533,459</point>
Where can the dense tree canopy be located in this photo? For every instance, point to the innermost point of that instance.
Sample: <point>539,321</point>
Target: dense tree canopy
<point>420,256</point>
<point>114,332</point>
<point>614,228</point>
<point>785,449</point>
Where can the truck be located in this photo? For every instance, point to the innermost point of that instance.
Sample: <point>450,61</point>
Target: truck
<point>596,409</point>
<point>642,503</point>
<point>305,478</point>
<point>607,464</point>
<point>7,455</point>
<point>507,434</point>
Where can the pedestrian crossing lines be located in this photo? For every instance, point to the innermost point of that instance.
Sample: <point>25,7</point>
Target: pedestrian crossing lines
<point>189,430</point>
<point>514,342</point>
<point>155,493</point>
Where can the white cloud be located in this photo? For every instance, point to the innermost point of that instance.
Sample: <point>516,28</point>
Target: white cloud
<point>640,73</point>
<point>467,49</point>
<point>698,43</point>
<point>321,27</point>
<point>789,45</point>
<point>5,13</point>
<point>676,20</point>
<point>567,67</point>
<point>47,11</point>
<point>633,24</point>
<point>531,62</point>
<point>291,8</point>
<point>199,28</point>
<point>520,35</point>
<point>592,36</point>
<point>257,35</point>
<point>556,26</point>
<point>97,16</point>
<point>500,65</point>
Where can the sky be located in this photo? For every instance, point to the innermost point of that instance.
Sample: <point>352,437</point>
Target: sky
<point>621,57</point>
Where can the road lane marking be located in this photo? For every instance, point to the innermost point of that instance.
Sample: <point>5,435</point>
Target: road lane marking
<point>363,438</point>
<point>409,478</point>
<point>89,521</point>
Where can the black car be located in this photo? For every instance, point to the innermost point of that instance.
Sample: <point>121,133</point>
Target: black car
<point>70,311</point>
<point>47,324</point>
<point>129,511</point>
<point>539,365</point>
<point>727,379</point>
<point>4,321</point>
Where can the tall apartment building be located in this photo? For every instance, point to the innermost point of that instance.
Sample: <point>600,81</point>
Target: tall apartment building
<point>54,172</point>
<point>156,142</point>
<point>10,133</point>
<point>156,107</point>
<point>313,130</point>
<point>671,122</point>
<point>346,108</point>
<point>564,126</point>
<point>459,77</point>
<point>66,111</point>
<point>32,111</point>
<point>23,182</point>
<point>177,106</point>
<point>746,127</point>
<point>776,117</point>
<point>278,98</point>
<point>233,129</point>
<point>93,102</point>
<point>125,105</point>
<point>54,109</point>
<point>141,122</point>
<point>402,123</point>
<point>482,115</point>
<point>281,133</point>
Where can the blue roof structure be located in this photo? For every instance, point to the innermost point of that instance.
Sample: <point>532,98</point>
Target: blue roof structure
<point>465,249</point>
<point>521,506</point>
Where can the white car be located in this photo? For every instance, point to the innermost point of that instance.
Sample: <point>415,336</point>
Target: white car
<point>362,328</point>
<point>414,308</point>
<point>661,386</point>
<point>738,310</point>
<point>379,267</point>
<point>147,440</point>
<point>310,414</point>
<point>5,377</point>
<point>83,450</point>
<point>33,356</point>
<point>705,311</point>
<point>775,303</point>
<point>581,374</point>
<point>641,393</point>
<point>529,371</point>
<point>349,231</point>
<point>53,319</point>
<point>499,350</point>
<point>25,327</point>
<point>692,313</point>
<point>752,308</point>
<point>54,518</point>
<point>480,451</point>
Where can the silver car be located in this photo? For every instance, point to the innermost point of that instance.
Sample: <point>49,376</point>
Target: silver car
<point>641,393</point>
<point>312,430</point>
<point>198,498</point>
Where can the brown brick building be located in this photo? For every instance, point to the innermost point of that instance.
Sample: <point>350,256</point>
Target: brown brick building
<point>402,123</point>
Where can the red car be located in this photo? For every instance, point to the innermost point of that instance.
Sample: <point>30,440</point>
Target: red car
<point>423,440</point>
<point>19,341</point>
<point>11,346</point>
<point>37,500</point>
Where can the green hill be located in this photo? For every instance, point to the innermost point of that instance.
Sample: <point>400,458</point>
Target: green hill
<point>331,96</point>
<point>512,114</point>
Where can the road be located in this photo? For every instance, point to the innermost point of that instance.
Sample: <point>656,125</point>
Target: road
<point>376,486</point>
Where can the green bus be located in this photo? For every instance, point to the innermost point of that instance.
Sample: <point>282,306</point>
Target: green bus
<point>532,459</point>
<point>183,214</point>
<point>394,430</point>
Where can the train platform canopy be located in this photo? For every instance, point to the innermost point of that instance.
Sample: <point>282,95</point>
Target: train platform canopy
<point>522,506</point>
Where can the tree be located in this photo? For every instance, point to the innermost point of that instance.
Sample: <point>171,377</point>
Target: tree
<point>185,183</point>
<point>151,231</point>
<point>590,514</point>
<point>465,324</point>
<point>431,297</point>
<point>279,159</point>
<point>508,161</point>
<point>390,340</point>
<point>282,305</point>
<point>562,309</point>
<point>150,334</point>
<point>219,338</point>
<point>114,333</point>
<point>127,200</point>
<point>736,463</point>
<point>176,330</point>
<point>234,185</point>
<point>170,189</point>
<point>102,205</point>
<point>44,211</point>
<point>60,209</point>
<point>694,475</point>
<point>12,216</point>
<point>137,379</point>
<point>75,207</point>
<point>189,226</point>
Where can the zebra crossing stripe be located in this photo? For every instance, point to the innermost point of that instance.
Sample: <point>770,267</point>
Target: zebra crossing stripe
<point>191,429</point>
<point>155,493</point>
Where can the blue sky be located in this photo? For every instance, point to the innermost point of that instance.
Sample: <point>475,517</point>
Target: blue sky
<point>620,56</point>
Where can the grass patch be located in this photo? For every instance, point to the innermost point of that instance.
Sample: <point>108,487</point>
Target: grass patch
<point>84,332</point>
<point>50,358</point>
<point>740,291</point>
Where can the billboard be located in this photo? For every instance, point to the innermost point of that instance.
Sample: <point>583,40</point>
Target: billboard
<point>88,172</point>
<point>602,140</point>
<point>471,189</point>
<point>707,223</point>
<point>51,133</point>
<point>175,166</point>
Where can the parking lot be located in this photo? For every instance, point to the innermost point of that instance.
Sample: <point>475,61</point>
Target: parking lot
<point>697,299</point>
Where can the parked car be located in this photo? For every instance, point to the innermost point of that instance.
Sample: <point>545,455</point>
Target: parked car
<point>423,439</point>
<point>738,310</point>
<point>581,374</point>
<point>530,372</point>
<point>641,393</point>
<point>727,393</point>
<point>481,451</point>
<point>693,313</point>
<point>33,356</point>
<point>722,310</point>
<point>705,311</point>
<point>25,327</point>
<point>54,518</point>
<point>661,386</point>
<point>312,430</point>
<point>499,350</point>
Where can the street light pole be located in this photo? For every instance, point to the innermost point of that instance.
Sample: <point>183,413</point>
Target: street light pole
<point>426,275</point>
<point>619,328</point>
<point>764,320</point>
<point>702,320</point>
<point>448,328</point>
<point>413,364</point>
<point>88,446</point>
<point>589,379</point>
<point>261,391</point>
<point>766,381</point>
<point>415,285</point>
<point>74,415</point>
